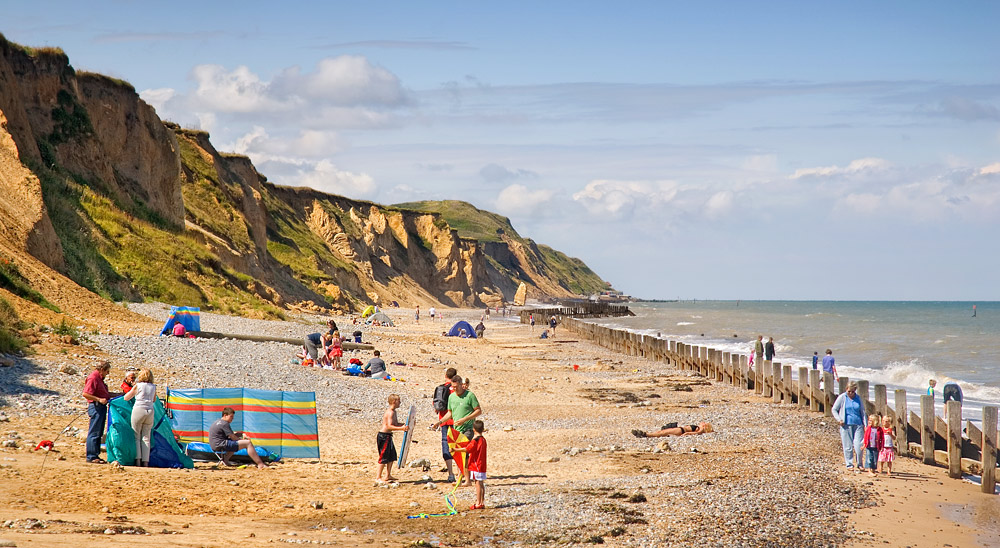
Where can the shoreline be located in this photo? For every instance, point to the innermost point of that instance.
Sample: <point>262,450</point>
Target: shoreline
<point>555,474</point>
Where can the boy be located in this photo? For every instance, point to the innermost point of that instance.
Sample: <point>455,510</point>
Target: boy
<point>477,463</point>
<point>930,387</point>
<point>386,449</point>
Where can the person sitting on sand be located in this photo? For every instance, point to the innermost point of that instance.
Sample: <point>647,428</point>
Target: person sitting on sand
<point>375,366</point>
<point>222,439</point>
<point>673,429</point>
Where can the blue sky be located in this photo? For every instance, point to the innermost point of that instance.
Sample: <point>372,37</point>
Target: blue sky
<point>781,150</point>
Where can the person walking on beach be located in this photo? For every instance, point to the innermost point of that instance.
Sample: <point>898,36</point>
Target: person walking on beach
<point>95,391</point>
<point>769,349</point>
<point>829,365</point>
<point>144,393</point>
<point>432,312</point>
<point>552,325</point>
<point>873,444</point>
<point>531,320</point>
<point>849,409</point>
<point>758,349</point>
<point>888,452</point>
<point>416,315</point>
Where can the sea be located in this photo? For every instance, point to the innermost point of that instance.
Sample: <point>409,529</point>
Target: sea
<point>901,344</point>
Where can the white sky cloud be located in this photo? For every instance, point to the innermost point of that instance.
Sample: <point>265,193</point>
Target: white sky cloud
<point>863,165</point>
<point>521,201</point>
<point>620,199</point>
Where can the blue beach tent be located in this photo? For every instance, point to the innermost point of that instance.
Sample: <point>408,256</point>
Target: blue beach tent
<point>188,316</point>
<point>459,326</point>
<point>164,451</point>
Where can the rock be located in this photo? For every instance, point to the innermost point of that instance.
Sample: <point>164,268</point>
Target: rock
<point>552,459</point>
<point>289,506</point>
<point>663,446</point>
<point>317,504</point>
<point>10,443</point>
<point>508,428</point>
<point>7,544</point>
<point>430,485</point>
<point>109,531</point>
<point>68,369</point>
<point>7,361</point>
<point>106,510</point>
<point>574,451</point>
<point>414,504</point>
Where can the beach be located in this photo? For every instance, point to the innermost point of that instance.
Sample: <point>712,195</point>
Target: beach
<point>564,468</point>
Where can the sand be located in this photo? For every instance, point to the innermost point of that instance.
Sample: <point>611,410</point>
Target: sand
<point>560,453</point>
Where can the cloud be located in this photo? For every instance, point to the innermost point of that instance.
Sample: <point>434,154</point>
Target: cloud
<point>856,167</point>
<point>326,177</point>
<point>991,169</point>
<point>345,80</point>
<point>720,204</point>
<point>158,97</point>
<point>261,147</point>
<point>519,200</point>
<point>961,108</point>
<point>621,199</point>
<point>494,173</point>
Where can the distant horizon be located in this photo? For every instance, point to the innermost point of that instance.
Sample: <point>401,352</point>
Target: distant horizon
<point>839,149</point>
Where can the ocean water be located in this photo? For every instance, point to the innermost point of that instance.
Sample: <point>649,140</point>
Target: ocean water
<point>899,344</point>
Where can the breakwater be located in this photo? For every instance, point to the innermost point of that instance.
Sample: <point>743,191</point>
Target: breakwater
<point>925,436</point>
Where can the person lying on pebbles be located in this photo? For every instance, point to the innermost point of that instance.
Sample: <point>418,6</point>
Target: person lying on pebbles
<point>673,429</point>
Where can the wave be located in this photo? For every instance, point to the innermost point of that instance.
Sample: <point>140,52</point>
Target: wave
<point>685,323</point>
<point>912,374</point>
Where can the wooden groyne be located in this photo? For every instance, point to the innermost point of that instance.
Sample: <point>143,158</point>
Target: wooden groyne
<point>576,310</point>
<point>925,436</point>
<point>267,338</point>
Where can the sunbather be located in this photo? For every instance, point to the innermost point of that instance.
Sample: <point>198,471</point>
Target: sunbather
<point>673,429</point>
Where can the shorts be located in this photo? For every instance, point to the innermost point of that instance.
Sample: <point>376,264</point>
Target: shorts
<point>231,446</point>
<point>386,449</point>
<point>477,476</point>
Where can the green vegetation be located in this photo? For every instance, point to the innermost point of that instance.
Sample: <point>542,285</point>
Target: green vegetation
<point>12,280</point>
<point>10,341</point>
<point>470,222</point>
<point>65,328</point>
<point>70,119</point>
<point>209,202</point>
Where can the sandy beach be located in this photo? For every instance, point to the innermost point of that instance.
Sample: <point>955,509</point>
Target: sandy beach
<point>563,466</point>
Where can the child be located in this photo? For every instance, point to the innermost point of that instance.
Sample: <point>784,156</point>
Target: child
<point>873,444</point>
<point>930,387</point>
<point>336,350</point>
<point>477,463</point>
<point>888,452</point>
<point>386,449</point>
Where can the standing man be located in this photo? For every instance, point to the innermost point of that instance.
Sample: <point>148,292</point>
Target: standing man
<point>432,312</point>
<point>95,391</point>
<point>758,350</point>
<point>829,365</point>
<point>416,315</point>
<point>441,396</point>
<point>222,438</point>
<point>463,408</point>
<point>815,359</point>
<point>552,325</point>
<point>769,349</point>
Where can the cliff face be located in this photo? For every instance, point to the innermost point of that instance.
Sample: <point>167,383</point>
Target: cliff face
<point>95,185</point>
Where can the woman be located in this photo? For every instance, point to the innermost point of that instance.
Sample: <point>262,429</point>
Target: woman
<point>144,393</point>
<point>673,429</point>
<point>849,409</point>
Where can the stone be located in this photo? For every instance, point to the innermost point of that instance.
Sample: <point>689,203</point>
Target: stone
<point>68,369</point>
<point>508,428</point>
<point>317,504</point>
<point>7,361</point>
<point>552,459</point>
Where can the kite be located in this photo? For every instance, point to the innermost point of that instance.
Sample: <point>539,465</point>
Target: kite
<point>457,443</point>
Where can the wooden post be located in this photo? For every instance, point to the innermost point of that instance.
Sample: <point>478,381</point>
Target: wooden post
<point>789,390</point>
<point>767,385</point>
<point>776,382</point>
<point>828,394</point>
<point>989,449</point>
<point>842,384</point>
<point>863,392</point>
<point>814,393</point>
<point>758,376</point>
<point>744,373</point>
<point>727,371</point>
<point>927,427</point>
<point>804,387</point>
<point>902,443</point>
<point>954,410</point>
<point>880,399</point>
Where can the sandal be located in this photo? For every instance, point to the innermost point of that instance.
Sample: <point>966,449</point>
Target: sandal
<point>639,433</point>
<point>98,460</point>
<point>477,507</point>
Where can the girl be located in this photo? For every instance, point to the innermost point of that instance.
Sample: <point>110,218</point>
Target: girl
<point>336,350</point>
<point>888,452</point>
<point>874,439</point>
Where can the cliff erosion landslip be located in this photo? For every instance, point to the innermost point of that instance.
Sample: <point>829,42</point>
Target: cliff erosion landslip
<point>96,188</point>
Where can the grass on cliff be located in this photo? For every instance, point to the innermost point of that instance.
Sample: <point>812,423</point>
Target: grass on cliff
<point>12,280</point>
<point>10,323</point>
<point>206,202</point>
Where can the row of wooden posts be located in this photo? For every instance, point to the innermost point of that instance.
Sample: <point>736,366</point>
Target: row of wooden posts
<point>924,436</point>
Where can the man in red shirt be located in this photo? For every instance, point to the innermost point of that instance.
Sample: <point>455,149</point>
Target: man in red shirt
<point>95,391</point>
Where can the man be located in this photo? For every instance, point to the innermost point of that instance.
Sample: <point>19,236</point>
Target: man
<point>441,396</point>
<point>222,438</point>
<point>463,408</point>
<point>951,392</point>
<point>95,391</point>
<point>375,366</point>
<point>432,312</point>
<point>769,349</point>
<point>829,365</point>
<point>480,329</point>
<point>815,359</point>
<point>758,350</point>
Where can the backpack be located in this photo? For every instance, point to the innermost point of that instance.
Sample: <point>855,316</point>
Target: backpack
<point>441,394</point>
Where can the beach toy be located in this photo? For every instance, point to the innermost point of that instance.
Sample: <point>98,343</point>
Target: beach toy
<point>576,367</point>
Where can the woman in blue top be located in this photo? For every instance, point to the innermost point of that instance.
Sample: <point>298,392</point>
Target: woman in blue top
<point>852,416</point>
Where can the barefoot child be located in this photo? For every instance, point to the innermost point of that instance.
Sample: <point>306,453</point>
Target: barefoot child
<point>477,464</point>
<point>386,449</point>
<point>888,452</point>
<point>874,439</point>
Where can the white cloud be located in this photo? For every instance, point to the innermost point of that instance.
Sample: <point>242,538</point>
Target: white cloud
<point>719,204</point>
<point>325,177</point>
<point>619,199</point>
<point>857,167</point>
<point>519,200</point>
<point>158,97</point>
<point>262,147</point>
<point>237,91</point>
<point>347,80</point>
<point>991,169</point>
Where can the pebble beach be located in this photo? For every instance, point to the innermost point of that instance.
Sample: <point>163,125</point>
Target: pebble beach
<point>564,468</point>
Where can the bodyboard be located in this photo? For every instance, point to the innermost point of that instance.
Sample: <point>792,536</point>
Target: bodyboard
<point>404,448</point>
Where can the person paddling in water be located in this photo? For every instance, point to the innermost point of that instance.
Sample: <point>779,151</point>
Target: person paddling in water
<point>673,429</point>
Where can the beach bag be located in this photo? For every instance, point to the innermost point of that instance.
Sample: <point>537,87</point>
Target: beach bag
<point>441,394</point>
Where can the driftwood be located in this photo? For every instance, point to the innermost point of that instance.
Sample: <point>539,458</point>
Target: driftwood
<point>264,338</point>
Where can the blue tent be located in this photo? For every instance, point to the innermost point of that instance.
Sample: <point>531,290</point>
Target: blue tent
<point>164,451</point>
<point>188,316</point>
<point>459,326</point>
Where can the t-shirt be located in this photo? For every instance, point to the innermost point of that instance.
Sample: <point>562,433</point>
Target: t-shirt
<point>852,411</point>
<point>828,363</point>
<point>218,433</point>
<point>95,386</point>
<point>461,407</point>
<point>315,338</point>
<point>375,366</point>
<point>145,395</point>
<point>477,455</point>
<point>815,360</point>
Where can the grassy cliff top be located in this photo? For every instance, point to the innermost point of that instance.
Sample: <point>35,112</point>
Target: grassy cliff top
<point>470,221</point>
